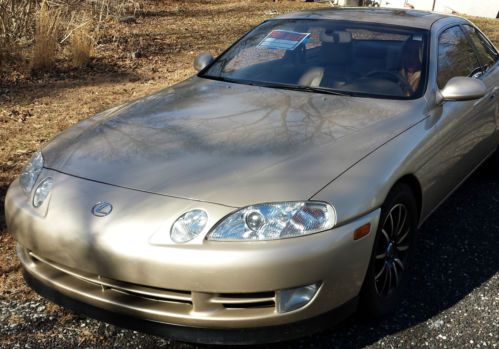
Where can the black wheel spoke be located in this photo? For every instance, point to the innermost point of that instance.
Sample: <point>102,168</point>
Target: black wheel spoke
<point>381,256</point>
<point>399,220</point>
<point>392,225</point>
<point>380,272</point>
<point>399,263</point>
<point>402,248</point>
<point>396,275</point>
<point>385,234</point>
<point>402,222</point>
<point>385,281</point>
<point>402,238</point>
<point>389,269</point>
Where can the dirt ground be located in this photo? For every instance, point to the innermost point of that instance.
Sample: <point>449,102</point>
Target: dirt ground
<point>164,39</point>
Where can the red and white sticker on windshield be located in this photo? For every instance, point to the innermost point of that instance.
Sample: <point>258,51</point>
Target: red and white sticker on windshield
<point>283,40</point>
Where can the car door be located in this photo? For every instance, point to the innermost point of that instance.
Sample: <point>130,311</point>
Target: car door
<point>461,134</point>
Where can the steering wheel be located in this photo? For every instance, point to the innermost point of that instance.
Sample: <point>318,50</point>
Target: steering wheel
<point>392,76</point>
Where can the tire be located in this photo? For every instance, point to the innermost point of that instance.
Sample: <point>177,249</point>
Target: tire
<point>495,163</point>
<point>386,277</point>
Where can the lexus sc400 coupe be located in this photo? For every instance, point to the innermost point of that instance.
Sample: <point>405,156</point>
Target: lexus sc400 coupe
<point>272,194</point>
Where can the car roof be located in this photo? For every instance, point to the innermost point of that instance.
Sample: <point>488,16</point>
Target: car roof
<point>390,16</point>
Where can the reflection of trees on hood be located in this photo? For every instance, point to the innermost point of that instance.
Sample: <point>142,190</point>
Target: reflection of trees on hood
<point>207,117</point>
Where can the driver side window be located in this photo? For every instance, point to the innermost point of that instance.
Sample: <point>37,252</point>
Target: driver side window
<point>455,56</point>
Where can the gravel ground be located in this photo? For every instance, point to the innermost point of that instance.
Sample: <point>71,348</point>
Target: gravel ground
<point>453,299</point>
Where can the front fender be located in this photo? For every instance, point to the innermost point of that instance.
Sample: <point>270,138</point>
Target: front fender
<point>365,185</point>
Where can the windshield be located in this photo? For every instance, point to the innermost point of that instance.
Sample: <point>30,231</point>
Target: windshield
<point>338,57</point>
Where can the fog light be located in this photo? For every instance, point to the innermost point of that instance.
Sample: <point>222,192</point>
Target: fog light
<point>295,298</point>
<point>42,191</point>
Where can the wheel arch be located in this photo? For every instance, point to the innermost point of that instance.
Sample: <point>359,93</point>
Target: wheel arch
<point>412,181</point>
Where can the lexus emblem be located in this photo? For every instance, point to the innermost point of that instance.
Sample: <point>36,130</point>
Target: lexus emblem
<point>102,209</point>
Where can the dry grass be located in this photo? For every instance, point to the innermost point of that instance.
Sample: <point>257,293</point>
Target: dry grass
<point>489,27</point>
<point>81,46</point>
<point>29,28</point>
<point>46,31</point>
<point>16,17</point>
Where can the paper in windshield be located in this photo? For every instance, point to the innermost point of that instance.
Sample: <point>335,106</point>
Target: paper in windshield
<point>283,40</point>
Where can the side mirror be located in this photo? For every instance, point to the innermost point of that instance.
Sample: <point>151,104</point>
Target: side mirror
<point>460,88</point>
<point>202,61</point>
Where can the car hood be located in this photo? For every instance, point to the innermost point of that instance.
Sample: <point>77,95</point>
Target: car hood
<point>229,143</point>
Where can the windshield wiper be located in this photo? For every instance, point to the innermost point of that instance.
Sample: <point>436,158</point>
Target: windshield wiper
<point>299,88</point>
<point>282,86</point>
<point>220,78</point>
<point>316,89</point>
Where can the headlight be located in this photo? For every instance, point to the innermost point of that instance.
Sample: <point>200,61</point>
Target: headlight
<point>188,226</point>
<point>275,221</point>
<point>31,172</point>
<point>42,191</point>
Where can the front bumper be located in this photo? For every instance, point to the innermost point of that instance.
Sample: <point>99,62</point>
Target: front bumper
<point>247,336</point>
<point>111,264</point>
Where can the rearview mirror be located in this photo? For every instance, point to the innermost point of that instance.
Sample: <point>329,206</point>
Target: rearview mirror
<point>202,61</point>
<point>460,88</point>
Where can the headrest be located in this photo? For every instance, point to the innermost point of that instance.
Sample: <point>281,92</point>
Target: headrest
<point>342,37</point>
<point>414,48</point>
<point>312,77</point>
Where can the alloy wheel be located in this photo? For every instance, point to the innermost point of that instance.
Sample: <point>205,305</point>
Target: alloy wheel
<point>391,250</point>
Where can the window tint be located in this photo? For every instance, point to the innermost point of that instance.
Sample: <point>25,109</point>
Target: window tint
<point>455,56</point>
<point>486,52</point>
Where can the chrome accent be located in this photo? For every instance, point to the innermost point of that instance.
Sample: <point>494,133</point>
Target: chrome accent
<point>102,209</point>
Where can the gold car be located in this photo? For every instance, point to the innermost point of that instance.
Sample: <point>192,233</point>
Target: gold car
<point>272,194</point>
